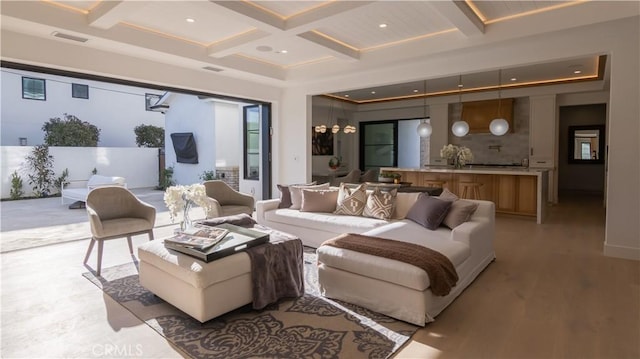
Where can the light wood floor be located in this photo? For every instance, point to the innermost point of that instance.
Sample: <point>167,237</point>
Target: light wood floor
<point>550,294</point>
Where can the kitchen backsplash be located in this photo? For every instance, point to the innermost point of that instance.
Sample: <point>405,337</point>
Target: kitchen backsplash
<point>487,148</point>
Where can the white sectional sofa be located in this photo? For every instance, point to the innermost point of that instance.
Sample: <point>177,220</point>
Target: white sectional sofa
<point>387,286</point>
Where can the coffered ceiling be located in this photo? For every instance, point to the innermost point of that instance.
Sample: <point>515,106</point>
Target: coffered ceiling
<point>295,41</point>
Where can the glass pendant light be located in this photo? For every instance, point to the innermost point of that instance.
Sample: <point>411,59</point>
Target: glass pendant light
<point>499,126</point>
<point>460,128</point>
<point>424,128</point>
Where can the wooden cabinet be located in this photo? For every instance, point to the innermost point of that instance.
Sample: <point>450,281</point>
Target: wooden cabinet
<point>479,114</point>
<point>516,194</point>
<point>542,131</point>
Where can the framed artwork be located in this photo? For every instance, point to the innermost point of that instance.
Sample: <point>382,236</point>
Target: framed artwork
<point>321,143</point>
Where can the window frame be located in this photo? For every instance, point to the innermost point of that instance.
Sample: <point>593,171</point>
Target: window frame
<point>44,88</point>
<point>246,132</point>
<point>73,90</point>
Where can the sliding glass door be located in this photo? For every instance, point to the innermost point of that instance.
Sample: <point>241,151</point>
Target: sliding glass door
<point>378,144</point>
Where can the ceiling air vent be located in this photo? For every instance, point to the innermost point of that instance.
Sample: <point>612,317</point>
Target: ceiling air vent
<point>69,37</point>
<point>211,68</point>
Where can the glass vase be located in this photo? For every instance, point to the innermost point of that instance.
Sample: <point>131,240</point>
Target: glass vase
<point>186,223</point>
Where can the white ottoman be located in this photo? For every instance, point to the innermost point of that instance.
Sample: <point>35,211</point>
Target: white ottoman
<point>202,290</point>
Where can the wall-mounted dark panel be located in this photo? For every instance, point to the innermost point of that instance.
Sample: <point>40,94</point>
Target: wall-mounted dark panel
<point>185,146</point>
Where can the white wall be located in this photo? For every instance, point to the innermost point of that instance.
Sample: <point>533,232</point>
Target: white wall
<point>408,144</point>
<point>228,135</point>
<point>115,109</point>
<point>189,114</point>
<point>139,166</point>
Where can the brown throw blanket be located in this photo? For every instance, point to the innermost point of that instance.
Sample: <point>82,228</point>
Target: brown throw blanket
<point>277,267</point>
<point>442,274</point>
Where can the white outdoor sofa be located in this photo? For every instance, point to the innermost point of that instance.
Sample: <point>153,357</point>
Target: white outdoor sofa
<point>78,190</point>
<point>387,286</point>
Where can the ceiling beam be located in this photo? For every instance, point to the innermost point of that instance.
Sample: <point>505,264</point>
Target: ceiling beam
<point>254,15</point>
<point>460,15</point>
<point>109,13</point>
<point>338,50</point>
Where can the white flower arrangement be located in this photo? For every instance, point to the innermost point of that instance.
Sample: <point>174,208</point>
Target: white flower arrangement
<point>460,155</point>
<point>179,198</point>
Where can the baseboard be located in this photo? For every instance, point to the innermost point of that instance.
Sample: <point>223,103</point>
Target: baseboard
<point>622,252</point>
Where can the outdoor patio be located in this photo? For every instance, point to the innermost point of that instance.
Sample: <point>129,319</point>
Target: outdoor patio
<point>38,222</point>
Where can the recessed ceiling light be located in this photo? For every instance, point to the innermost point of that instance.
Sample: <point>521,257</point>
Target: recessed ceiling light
<point>415,91</point>
<point>190,20</point>
<point>460,85</point>
<point>382,26</point>
<point>347,95</point>
<point>281,52</point>
<point>577,72</point>
<point>514,79</point>
<point>373,92</point>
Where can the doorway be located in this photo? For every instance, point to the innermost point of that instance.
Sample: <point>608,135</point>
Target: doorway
<point>582,150</point>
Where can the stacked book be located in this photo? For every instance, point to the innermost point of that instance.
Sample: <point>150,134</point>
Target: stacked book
<point>199,237</point>
<point>209,243</point>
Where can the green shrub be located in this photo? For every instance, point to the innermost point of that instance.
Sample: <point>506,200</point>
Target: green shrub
<point>62,180</point>
<point>209,175</point>
<point>16,186</point>
<point>70,131</point>
<point>40,164</point>
<point>167,179</point>
<point>149,136</point>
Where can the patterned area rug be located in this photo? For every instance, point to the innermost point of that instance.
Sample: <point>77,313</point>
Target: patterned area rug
<point>307,327</point>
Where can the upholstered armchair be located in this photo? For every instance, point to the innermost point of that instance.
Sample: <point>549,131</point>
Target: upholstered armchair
<point>352,177</point>
<point>115,212</point>
<point>225,201</point>
<point>369,176</point>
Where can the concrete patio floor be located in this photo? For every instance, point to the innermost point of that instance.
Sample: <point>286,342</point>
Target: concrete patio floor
<point>38,222</point>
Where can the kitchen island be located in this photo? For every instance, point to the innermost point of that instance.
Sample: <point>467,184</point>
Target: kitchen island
<point>514,189</point>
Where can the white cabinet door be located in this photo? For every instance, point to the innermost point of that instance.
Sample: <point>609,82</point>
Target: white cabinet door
<point>542,131</point>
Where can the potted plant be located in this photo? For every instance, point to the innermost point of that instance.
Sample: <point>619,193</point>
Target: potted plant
<point>388,177</point>
<point>335,162</point>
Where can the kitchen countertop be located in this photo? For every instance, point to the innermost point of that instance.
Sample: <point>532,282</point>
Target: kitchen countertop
<point>506,170</point>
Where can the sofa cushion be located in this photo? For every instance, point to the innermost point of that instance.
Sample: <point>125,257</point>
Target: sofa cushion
<point>391,270</point>
<point>285,194</point>
<point>380,204</point>
<point>326,222</point>
<point>404,202</point>
<point>296,193</point>
<point>351,201</point>
<point>460,210</point>
<point>319,200</point>
<point>429,211</point>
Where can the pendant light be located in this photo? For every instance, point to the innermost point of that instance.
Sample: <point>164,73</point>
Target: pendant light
<point>499,126</point>
<point>424,128</point>
<point>460,128</point>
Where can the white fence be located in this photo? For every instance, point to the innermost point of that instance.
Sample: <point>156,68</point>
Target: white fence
<point>139,166</point>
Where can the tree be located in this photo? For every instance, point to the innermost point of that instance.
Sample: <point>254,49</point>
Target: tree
<point>41,170</point>
<point>149,136</point>
<point>70,131</point>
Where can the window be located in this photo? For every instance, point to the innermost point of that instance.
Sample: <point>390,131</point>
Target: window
<point>79,91</point>
<point>150,99</point>
<point>251,141</point>
<point>33,89</point>
<point>379,144</point>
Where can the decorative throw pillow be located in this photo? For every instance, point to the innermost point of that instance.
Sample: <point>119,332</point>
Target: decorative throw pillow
<point>296,193</point>
<point>351,201</point>
<point>319,200</point>
<point>460,210</point>
<point>429,212</point>
<point>285,194</point>
<point>448,195</point>
<point>459,213</point>
<point>404,202</point>
<point>380,204</point>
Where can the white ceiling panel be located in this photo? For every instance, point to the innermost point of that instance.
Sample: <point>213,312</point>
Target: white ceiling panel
<point>404,19</point>
<point>498,9</point>
<point>169,17</point>
<point>298,51</point>
<point>82,5</point>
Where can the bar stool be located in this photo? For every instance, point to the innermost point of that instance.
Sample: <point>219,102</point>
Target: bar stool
<point>434,183</point>
<point>470,190</point>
